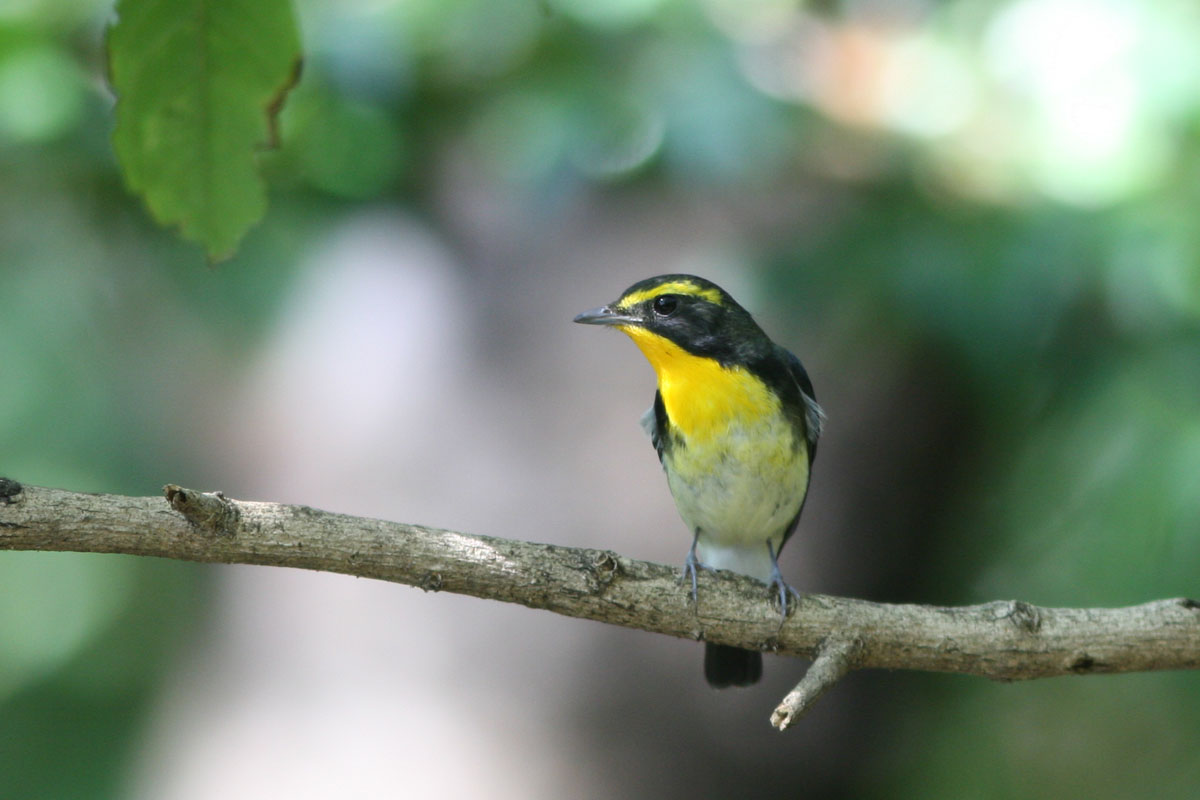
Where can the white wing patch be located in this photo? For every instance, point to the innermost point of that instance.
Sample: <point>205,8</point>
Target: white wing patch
<point>649,424</point>
<point>814,418</point>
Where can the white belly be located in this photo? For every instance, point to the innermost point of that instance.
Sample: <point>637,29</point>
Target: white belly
<point>739,491</point>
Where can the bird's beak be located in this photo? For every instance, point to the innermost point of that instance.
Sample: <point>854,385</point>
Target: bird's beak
<point>606,315</point>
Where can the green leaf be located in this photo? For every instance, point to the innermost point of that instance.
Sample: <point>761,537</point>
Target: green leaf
<point>199,83</point>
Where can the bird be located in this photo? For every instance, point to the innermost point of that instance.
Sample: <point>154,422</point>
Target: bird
<point>735,422</point>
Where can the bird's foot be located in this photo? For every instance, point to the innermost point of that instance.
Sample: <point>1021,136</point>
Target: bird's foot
<point>780,585</point>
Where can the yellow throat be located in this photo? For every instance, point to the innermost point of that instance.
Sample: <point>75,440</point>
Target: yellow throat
<point>702,398</point>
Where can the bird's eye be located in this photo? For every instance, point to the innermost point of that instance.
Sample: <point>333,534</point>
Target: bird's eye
<point>665,305</point>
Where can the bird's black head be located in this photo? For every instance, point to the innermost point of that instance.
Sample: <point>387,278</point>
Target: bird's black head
<point>693,313</point>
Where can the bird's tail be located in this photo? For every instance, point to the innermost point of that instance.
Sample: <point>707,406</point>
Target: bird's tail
<point>731,666</point>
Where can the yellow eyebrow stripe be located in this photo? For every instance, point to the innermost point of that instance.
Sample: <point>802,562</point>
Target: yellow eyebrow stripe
<point>674,287</point>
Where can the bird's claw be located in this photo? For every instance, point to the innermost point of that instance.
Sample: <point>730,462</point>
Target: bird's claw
<point>779,584</point>
<point>785,592</point>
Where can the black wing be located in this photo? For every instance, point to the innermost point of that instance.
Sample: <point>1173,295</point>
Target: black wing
<point>657,426</point>
<point>814,420</point>
<point>814,417</point>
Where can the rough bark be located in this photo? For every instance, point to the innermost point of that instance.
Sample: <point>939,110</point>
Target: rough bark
<point>1003,640</point>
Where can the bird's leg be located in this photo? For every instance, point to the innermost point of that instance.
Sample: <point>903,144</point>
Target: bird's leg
<point>778,581</point>
<point>690,565</point>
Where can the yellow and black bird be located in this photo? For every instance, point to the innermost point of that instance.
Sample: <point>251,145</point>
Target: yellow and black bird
<point>735,423</point>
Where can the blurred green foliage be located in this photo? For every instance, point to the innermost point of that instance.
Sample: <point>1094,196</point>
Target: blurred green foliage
<point>85,640</point>
<point>1005,188</point>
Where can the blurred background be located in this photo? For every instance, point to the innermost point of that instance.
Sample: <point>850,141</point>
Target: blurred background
<point>974,221</point>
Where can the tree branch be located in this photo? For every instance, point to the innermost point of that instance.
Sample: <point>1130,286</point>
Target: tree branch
<point>835,657</point>
<point>1002,640</point>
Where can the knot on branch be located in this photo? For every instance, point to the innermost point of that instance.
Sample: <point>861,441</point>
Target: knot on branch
<point>1082,664</point>
<point>211,512</point>
<point>1023,616</point>
<point>602,568</point>
<point>10,491</point>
